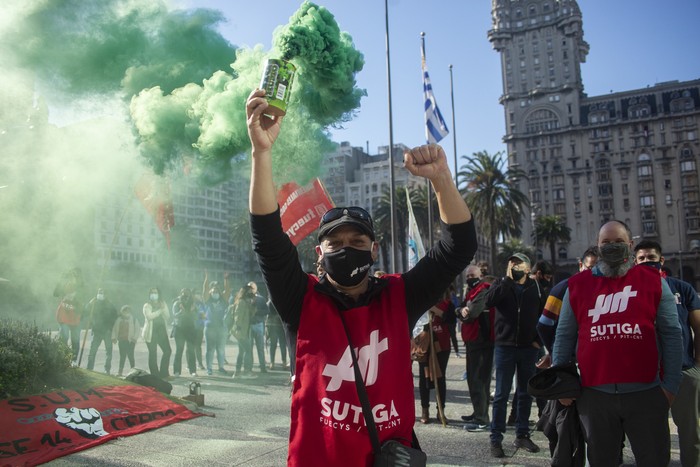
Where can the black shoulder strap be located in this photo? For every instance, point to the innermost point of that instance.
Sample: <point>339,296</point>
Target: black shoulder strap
<point>362,393</point>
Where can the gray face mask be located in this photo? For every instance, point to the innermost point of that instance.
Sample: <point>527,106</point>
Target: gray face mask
<point>615,254</point>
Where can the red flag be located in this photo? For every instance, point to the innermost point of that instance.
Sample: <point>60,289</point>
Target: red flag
<point>154,194</point>
<point>302,208</point>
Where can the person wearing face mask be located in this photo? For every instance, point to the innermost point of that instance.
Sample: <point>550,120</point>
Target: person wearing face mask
<point>214,327</point>
<point>477,333</point>
<point>327,425</point>
<point>622,323</point>
<point>102,315</point>
<point>155,333</point>
<point>517,299</point>
<point>185,316</point>
<point>686,406</point>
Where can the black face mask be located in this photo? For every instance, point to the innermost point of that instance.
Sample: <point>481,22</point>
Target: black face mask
<point>347,266</point>
<point>473,282</point>
<point>653,264</point>
<point>517,275</point>
<point>615,253</point>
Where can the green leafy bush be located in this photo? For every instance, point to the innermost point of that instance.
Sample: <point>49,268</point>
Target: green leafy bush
<point>31,361</point>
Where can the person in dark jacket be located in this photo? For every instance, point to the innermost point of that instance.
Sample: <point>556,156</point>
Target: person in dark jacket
<point>102,315</point>
<point>517,299</point>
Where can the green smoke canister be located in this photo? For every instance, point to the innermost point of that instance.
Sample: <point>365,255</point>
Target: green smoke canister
<point>277,82</point>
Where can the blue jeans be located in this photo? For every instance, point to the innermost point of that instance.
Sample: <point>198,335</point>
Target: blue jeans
<point>507,361</point>
<point>216,342</point>
<point>257,333</point>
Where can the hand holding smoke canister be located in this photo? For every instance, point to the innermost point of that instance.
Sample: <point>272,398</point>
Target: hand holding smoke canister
<point>277,80</point>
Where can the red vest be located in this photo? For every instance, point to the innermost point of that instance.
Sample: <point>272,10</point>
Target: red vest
<point>470,331</point>
<point>440,330</point>
<point>327,425</point>
<point>616,334</point>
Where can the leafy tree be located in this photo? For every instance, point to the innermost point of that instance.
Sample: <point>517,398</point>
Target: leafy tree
<point>382,220</point>
<point>511,247</point>
<point>551,230</point>
<point>492,195</point>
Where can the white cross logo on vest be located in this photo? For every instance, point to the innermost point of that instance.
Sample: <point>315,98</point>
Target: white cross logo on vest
<point>612,303</point>
<point>367,359</point>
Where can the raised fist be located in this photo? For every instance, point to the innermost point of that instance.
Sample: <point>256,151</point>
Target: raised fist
<point>86,422</point>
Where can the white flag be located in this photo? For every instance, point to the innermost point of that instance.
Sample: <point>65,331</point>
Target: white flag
<point>416,250</point>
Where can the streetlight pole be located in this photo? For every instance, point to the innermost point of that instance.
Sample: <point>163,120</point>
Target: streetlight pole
<point>680,240</point>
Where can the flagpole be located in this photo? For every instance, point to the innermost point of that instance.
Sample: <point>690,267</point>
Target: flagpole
<point>460,278</point>
<point>427,182</point>
<point>391,145</point>
<point>454,127</point>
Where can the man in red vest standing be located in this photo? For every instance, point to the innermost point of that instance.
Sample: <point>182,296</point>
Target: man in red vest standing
<point>348,303</point>
<point>622,321</point>
<point>477,333</point>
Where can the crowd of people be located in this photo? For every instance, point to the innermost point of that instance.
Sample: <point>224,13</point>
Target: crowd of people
<point>629,330</point>
<point>191,322</point>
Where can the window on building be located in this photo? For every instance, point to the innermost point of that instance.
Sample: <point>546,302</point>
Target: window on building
<point>646,201</point>
<point>541,120</point>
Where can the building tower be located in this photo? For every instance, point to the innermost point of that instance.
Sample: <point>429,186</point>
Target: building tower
<point>541,46</point>
<point>631,155</point>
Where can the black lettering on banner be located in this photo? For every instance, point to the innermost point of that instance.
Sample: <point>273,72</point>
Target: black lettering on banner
<point>20,405</point>
<point>122,423</point>
<point>16,446</point>
<point>89,392</point>
<point>47,439</point>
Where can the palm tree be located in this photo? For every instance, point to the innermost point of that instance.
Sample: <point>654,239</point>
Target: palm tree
<point>382,223</point>
<point>493,197</point>
<point>382,220</point>
<point>551,230</point>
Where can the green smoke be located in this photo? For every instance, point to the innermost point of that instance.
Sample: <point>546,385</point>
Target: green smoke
<point>327,62</point>
<point>116,46</point>
<point>185,84</point>
<point>206,124</point>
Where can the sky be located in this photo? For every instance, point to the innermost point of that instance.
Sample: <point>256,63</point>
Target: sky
<point>633,44</point>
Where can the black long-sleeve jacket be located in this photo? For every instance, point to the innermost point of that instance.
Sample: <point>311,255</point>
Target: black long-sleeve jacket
<point>424,283</point>
<point>517,314</point>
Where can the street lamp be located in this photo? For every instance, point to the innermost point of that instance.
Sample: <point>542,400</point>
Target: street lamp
<point>680,240</point>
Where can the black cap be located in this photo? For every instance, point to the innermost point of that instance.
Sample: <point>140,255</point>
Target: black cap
<point>337,217</point>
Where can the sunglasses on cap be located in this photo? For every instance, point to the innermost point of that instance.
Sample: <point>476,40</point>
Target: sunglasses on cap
<point>354,212</point>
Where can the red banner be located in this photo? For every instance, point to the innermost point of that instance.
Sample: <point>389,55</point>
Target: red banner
<point>37,429</point>
<point>301,208</point>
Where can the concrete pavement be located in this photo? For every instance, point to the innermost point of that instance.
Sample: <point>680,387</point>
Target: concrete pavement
<point>250,427</point>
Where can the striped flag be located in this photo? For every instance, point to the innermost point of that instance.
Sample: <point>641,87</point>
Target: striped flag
<point>435,127</point>
<point>416,250</point>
